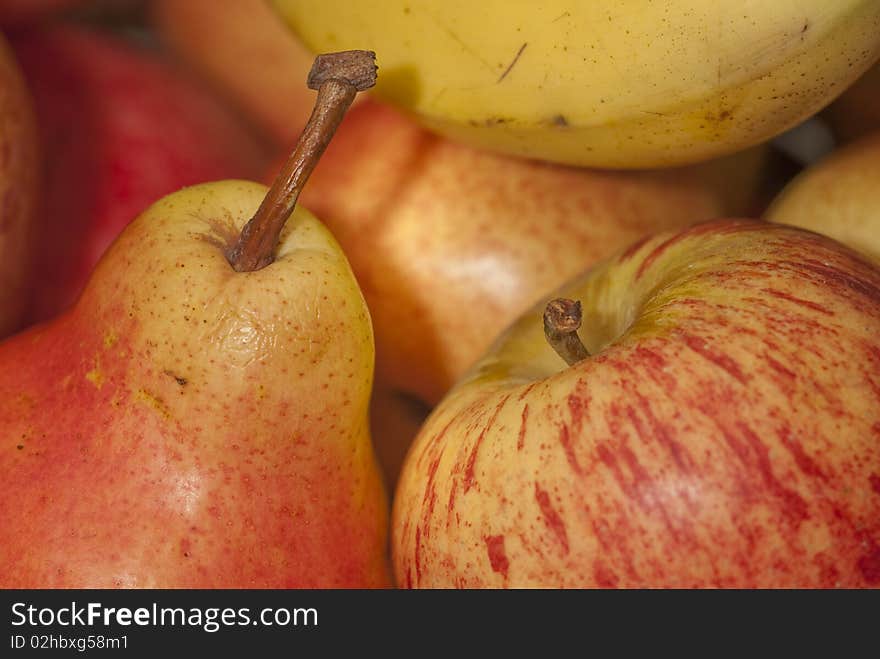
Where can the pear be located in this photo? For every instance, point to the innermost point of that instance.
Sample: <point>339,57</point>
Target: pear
<point>198,419</point>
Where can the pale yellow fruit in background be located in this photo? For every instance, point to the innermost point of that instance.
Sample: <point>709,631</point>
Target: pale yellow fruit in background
<point>611,83</point>
<point>839,196</point>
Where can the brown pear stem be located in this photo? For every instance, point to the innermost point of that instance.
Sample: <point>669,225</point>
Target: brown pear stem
<point>562,318</point>
<point>338,77</point>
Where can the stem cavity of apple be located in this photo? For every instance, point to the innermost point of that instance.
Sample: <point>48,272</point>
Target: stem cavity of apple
<point>337,77</point>
<point>562,318</point>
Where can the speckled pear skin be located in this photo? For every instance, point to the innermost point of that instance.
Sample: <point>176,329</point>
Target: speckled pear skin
<point>186,425</point>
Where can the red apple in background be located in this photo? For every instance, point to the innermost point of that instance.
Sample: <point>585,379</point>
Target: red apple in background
<point>121,127</point>
<point>19,155</point>
<point>244,49</point>
<point>724,430</point>
<point>838,196</point>
<point>433,228</point>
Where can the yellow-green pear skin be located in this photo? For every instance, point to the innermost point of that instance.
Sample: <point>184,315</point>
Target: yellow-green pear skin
<point>604,83</point>
<point>186,425</point>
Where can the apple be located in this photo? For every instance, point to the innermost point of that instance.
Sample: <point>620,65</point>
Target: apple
<point>723,430</point>
<point>838,196</point>
<point>121,126</point>
<point>245,51</point>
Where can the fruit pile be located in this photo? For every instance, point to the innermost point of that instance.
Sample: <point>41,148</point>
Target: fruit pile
<point>333,294</point>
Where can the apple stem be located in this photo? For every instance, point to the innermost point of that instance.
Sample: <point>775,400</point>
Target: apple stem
<point>338,77</point>
<point>562,318</point>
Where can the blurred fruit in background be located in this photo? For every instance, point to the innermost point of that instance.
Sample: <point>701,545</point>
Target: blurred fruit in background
<point>245,51</point>
<point>838,196</point>
<point>433,227</point>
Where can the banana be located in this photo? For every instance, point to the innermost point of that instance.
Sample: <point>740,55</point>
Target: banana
<point>606,83</point>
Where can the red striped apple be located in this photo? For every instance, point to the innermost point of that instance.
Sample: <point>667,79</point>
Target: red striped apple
<point>722,431</point>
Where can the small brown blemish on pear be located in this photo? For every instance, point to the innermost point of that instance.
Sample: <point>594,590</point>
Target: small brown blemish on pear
<point>182,381</point>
